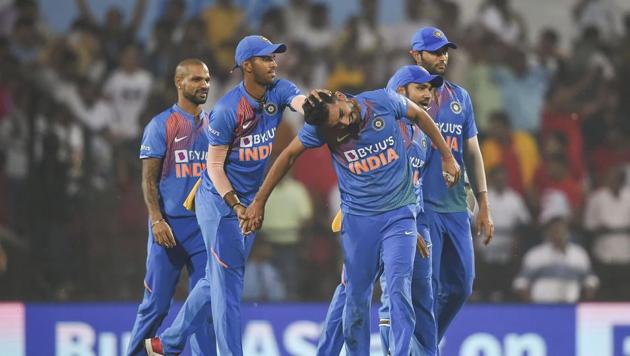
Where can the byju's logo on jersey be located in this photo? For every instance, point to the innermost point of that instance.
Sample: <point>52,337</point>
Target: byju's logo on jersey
<point>372,157</point>
<point>246,141</point>
<point>181,156</point>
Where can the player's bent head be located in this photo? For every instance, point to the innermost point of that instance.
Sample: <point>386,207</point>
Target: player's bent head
<point>316,111</point>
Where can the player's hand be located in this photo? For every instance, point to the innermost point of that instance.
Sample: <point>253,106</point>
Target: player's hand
<point>252,217</point>
<point>450,170</point>
<point>314,95</point>
<point>162,234</point>
<point>484,223</point>
<point>422,247</point>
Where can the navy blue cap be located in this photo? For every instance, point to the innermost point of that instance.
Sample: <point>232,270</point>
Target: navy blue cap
<point>256,46</point>
<point>430,39</point>
<point>413,74</point>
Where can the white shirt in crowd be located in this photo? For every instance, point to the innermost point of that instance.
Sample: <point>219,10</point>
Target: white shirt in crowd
<point>605,210</point>
<point>508,211</point>
<point>555,276</point>
<point>129,93</point>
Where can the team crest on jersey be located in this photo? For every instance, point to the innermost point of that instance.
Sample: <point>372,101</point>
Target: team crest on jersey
<point>423,142</point>
<point>270,108</point>
<point>378,124</point>
<point>456,107</point>
<point>437,34</point>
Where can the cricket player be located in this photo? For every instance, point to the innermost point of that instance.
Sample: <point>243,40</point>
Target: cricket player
<point>378,202</point>
<point>415,83</point>
<point>240,134</point>
<point>173,157</point>
<point>446,209</point>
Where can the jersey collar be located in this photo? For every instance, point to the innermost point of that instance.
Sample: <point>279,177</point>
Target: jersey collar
<point>186,114</point>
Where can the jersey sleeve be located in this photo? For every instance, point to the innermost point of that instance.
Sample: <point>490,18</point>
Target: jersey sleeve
<point>286,92</point>
<point>221,125</point>
<point>310,136</point>
<point>398,104</point>
<point>153,140</point>
<point>470,127</point>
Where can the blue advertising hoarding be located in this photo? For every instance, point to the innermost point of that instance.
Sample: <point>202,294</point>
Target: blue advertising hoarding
<point>102,329</point>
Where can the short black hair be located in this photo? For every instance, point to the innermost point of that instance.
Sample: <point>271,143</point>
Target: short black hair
<point>315,110</point>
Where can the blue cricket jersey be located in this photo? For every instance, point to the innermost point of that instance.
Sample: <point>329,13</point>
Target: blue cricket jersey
<point>453,113</point>
<point>417,144</point>
<point>182,145</point>
<point>372,167</point>
<point>248,127</point>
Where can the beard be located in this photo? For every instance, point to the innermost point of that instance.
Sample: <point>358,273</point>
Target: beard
<point>196,97</point>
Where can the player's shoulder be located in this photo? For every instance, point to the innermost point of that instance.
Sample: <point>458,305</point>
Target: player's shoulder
<point>456,88</point>
<point>161,117</point>
<point>280,83</point>
<point>228,102</point>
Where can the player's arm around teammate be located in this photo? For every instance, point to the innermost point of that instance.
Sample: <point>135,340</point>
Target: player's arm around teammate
<point>450,167</point>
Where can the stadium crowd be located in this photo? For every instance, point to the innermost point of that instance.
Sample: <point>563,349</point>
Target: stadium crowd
<point>554,133</point>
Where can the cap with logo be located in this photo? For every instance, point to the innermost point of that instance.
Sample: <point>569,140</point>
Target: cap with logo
<point>413,74</point>
<point>256,46</point>
<point>430,39</point>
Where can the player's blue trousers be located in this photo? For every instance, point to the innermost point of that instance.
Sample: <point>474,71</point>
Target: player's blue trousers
<point>425,332</point>
<point>164,266</point>
<point>366,240</point>
<point>425,340</point>
<point>453,264</point>
<point>227,250</point>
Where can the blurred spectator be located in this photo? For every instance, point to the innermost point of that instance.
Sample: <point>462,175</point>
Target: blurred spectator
<point>224,25</point>
<point>556,271</point>
<point>26,42</point>
<point>317,34</point>
<point>97,117</point>
<point>548,53</point>
<point>115,35</point>
<point>516,151</point>
<point>607,217</point>
<point>84,41</point>
<point>523,88</point>
<point>554,174</point>
<point>397,35</point>
<point>289,211</point>
<point>161,50</point>
<point>296,15</point>
<point>498,18</point>
<point>263,282</point>
<point>128,88</point>
<point>497,261</point>
<point>14,137</point>
<point>479,80</point>
<point>590,53</point>
<point>194,45</point>
<point>562,126</point>
<point>613,152</point>
<point>175,14</point>
<point>601,14</point>
<point>273,24</point>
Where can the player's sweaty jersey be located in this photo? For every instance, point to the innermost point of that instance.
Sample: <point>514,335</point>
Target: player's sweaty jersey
<point>453,113</point>
<point>182,145</point>
<point>417,144</point>
<point>248,127</point>
<point>371,164</point>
